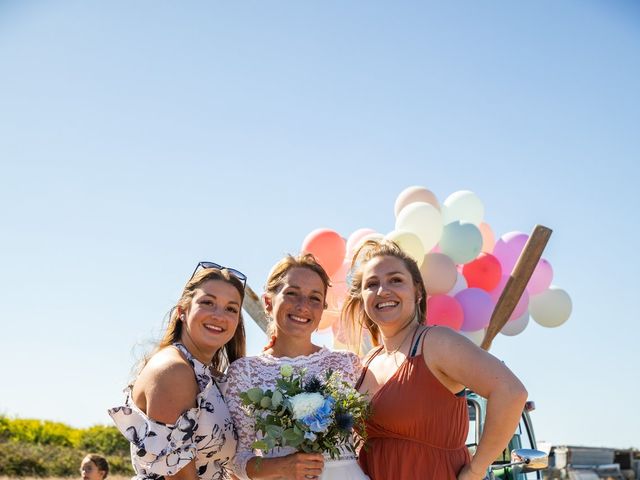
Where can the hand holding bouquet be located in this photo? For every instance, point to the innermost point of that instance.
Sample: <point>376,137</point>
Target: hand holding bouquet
<point>307,414</point>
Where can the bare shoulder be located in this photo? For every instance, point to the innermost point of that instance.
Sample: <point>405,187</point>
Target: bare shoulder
<point>166,385</point>
<point>441,339</point>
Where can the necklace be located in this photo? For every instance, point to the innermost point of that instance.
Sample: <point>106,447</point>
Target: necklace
<point>393,352</point>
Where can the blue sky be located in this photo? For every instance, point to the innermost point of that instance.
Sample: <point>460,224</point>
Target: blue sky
<point>139,138</point>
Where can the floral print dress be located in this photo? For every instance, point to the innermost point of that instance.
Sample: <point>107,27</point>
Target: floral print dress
<point>204,432</point>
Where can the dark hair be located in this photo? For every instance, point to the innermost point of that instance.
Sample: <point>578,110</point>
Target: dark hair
<point>100,462</point>
<point>353,314</point>
<point>234,348</point>
<point>280,270</point>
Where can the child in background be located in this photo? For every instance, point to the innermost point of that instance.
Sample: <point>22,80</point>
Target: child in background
<point>94,467</point>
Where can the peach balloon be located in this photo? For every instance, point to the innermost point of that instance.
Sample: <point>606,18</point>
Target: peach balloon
<point>438,273</point>
<point>488,238</point>
<point>329,317</point>
<point>414,194</point>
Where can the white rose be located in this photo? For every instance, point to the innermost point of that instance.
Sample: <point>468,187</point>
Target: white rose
<point>305,404</point>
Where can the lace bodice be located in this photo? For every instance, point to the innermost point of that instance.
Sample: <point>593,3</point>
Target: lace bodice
<point>262,371</point>
<point>204,432</point>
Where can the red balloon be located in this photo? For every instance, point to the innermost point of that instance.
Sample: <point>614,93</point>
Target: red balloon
<point>327,246</point>
<point>484,272</point>
<point>444,310</point>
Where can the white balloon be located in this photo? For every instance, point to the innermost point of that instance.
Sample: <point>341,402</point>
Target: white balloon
<point>476,337</point>
<point>516,326</point>
<point>550,308</point>
<point>462,206</point>
<point>423,220</point>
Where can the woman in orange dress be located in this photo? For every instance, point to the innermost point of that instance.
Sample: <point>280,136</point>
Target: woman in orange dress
<point>416,378</point>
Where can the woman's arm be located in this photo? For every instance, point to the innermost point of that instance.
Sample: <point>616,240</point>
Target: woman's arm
<point>457,362</point>
<point>164,391</point>
<point>297,466</point>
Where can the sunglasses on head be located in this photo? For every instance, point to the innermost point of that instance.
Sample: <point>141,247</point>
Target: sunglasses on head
<point>236,273</point>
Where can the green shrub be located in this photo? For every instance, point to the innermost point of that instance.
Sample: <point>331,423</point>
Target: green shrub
<point>41,432</point>
<point>39,448</point>
<point>107,440</point>
<point>32,460</point>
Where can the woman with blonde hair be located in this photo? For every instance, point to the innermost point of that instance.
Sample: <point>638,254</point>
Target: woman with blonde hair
<point>294,299</point>
<point>416,378</point>
<point>174,414</point>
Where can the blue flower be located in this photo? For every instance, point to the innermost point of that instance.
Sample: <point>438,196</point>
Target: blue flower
<point>344,421</point>
<point>310,436</point>
<point>320,420</point>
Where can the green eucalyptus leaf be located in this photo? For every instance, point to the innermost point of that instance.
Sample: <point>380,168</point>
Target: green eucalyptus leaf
<point>255,394</point>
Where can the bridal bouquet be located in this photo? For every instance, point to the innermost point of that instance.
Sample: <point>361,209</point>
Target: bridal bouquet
<point>308,414</point>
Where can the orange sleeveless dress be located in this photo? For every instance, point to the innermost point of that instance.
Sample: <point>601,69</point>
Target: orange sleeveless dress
<point>418,428</point>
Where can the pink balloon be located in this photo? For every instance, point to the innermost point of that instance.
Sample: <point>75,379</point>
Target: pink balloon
<point>353,242</point>
<point>541,278</point>
<point>508,248</point>
<point>444,310</point>
<point>414,194</point>
<point>477,306</point>
<point>340,276</point>
<point>327,246</point>
<point>523,303</point>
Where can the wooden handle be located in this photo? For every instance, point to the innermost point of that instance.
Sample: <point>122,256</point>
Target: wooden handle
<point>254,308</point>
<point>517,282</point>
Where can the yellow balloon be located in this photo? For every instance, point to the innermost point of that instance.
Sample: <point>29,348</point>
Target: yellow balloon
<point>409,243</point>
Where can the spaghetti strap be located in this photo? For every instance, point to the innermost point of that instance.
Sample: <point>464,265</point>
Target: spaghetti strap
<point>365,367</point>
<point>416,342</point>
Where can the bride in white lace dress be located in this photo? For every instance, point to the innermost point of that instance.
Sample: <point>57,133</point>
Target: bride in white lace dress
<point>294,299</point>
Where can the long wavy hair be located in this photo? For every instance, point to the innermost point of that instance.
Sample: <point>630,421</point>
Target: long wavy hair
<point>353,314</point>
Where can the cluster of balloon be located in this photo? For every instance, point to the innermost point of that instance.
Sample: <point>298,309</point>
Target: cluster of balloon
<point>463,266</point>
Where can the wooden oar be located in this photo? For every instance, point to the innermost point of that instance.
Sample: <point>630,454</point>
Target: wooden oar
<point>253,307</point>
<point>517,282</point>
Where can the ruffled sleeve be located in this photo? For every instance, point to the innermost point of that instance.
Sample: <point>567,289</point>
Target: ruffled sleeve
<point>160,449</point>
